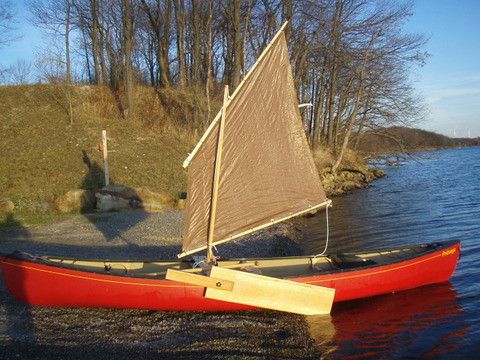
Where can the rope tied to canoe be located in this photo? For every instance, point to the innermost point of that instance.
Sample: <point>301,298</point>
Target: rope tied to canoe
<point>327,233</point>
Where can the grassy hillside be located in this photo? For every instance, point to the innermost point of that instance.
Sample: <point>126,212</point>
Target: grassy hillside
<point>43,155</point>
<point>44,152</point>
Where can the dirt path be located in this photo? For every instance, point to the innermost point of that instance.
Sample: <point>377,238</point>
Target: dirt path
<point>35,332</point>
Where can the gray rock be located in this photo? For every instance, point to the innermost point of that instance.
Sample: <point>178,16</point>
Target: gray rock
<point>107,202</point>
<point>120,197</point>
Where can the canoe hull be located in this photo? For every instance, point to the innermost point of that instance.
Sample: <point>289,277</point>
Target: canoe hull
<point>46,285</point>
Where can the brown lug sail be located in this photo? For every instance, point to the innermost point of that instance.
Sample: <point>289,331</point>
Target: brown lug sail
<point>267,171</point>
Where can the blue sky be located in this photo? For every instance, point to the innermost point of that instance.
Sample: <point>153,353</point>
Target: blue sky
<point>449,82</point>
<point>30,38</point>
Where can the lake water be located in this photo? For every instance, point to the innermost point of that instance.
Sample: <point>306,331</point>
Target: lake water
<point>433,197</point>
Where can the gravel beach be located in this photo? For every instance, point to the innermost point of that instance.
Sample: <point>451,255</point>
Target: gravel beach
<point>39,333</point>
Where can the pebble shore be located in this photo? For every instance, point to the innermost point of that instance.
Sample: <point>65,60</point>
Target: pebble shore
<point>39,333</point>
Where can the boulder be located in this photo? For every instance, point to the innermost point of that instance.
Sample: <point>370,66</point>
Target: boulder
<point>120,197</point>
<point>120,191</point>
<point>75,200</point>
<point>107,202</point>
<point>153,201</point>
<point>6,206</point>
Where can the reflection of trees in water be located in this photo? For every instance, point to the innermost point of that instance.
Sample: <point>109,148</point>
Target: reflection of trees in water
<point>19,324</point>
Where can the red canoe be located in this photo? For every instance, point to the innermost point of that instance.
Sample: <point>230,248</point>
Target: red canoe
<point>51,281</point>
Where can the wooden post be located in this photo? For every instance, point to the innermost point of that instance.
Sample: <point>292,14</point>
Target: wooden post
<point>216,177</point>
<point>105,157</point>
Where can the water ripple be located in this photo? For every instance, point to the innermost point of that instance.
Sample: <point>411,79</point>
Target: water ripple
<point>436,198</point>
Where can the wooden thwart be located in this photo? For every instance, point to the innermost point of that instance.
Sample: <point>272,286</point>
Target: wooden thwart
<point>200,280</point>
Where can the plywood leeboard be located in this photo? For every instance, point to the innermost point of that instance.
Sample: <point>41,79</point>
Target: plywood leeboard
<point>272,293</point>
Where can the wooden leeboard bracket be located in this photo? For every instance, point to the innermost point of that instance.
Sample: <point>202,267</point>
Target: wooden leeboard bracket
<point>200,280</point>
<point>272,293</point>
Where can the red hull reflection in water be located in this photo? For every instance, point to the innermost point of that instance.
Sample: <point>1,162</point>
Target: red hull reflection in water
<point>420,323</point>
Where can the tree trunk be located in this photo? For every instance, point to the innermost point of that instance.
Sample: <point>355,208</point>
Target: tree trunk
<point>94,36</point>
<point>87,57</point>
<point>196,41</point>
<point>128,46</point>
<point>209,59</point>
<point>68,72</point>
<point>287,14</point>
<point>165,44</point>
<point>237,44</point>
<point>358,100</point>
<point>103,63</point>
<point>333,49</point>
<point>180,24</point>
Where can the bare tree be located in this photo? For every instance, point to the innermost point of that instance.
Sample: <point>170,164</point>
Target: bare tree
<point>6,23</point>
<point>54,16</point>
<point>353,83</point>
<point>51,69</point>
<point>159,16</point>
<point>180,35</point>
<point>18,73</point>
<point>127,53</point>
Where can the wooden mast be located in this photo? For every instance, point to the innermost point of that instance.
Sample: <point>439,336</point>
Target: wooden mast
<point>216,177</point>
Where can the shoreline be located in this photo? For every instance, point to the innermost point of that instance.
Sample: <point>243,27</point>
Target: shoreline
<point>57,332</point>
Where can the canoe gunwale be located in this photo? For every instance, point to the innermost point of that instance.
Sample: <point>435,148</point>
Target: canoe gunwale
<point>428,249</point>
<point>48,284</point>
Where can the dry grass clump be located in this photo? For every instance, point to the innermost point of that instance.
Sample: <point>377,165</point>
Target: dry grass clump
<point>323,158</point>
<point>352,173</point>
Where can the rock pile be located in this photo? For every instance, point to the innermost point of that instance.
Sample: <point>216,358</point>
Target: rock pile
<point>120,197</point>
<point>348,179</point>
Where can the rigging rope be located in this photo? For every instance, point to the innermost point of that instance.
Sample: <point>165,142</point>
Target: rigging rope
<point>328,234</point>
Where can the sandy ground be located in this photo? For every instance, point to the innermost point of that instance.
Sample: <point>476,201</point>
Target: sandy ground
<point>39,333</point>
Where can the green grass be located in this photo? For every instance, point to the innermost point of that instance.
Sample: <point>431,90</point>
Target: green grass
<point>29,218</point>
<point>43,155</point>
